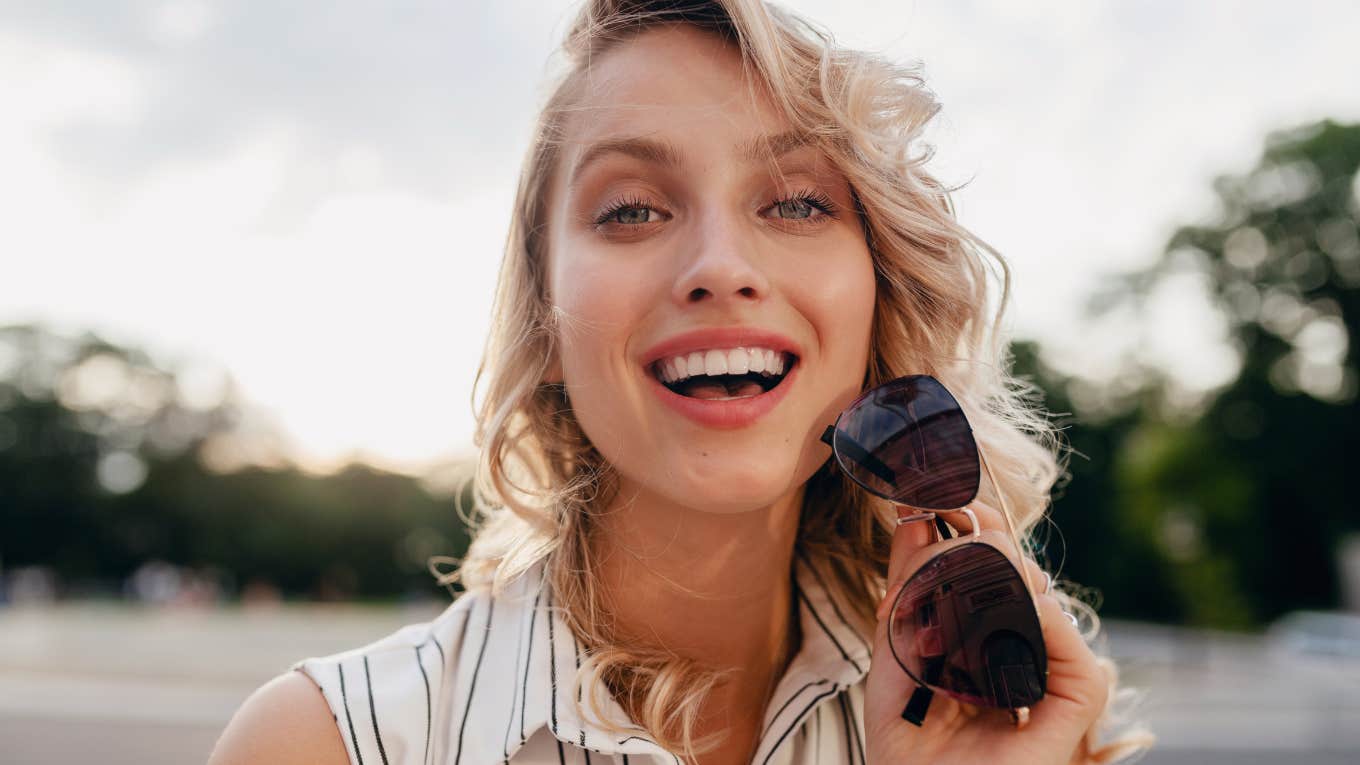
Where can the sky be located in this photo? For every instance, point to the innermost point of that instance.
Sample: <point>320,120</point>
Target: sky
<point>312,197</point>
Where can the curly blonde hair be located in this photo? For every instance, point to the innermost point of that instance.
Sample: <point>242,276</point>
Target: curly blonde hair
<point>539,478</point>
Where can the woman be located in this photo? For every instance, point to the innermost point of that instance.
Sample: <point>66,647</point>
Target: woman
<point>670,566</point>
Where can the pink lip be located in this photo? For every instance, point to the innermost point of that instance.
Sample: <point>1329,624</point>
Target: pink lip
<point>727,415</point>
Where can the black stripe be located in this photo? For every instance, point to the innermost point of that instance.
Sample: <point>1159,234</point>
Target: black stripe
<point>528,659</point>
<point>443,663</point>
<point>552,663</point>
<point>821,582</point>
<point>510,721</point>
<point>845,718</point>
<point>827,630</point>
<point>854,723</point>
<point>786,704</point>
<point>481,652</point>
<point>443,673</point>
<point>648,740</point>
<point>577,646</point>
<point>426,677</point>
<point>561,758</point>
<point>625,759</point>
<point>785,734</point>
<point>349,719</point>
<point>587,752</point>
<point>373,711</point>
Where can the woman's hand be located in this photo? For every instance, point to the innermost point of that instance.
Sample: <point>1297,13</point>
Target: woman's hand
<point>954,732</point>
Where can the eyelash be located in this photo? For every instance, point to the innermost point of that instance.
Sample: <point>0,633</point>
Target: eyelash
<point>815,199</point>
<point>618,207</point>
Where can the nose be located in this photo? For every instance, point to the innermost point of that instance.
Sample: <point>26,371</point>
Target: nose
<point>720,268</point>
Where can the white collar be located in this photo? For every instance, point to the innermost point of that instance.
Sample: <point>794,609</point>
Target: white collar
<point>833,656</point>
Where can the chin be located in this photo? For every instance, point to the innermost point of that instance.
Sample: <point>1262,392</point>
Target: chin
<point>733,486</point>
<point>733,505</point>
<point>712,472</point>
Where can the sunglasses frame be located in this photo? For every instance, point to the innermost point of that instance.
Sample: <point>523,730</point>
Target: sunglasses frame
<point>920,701</point>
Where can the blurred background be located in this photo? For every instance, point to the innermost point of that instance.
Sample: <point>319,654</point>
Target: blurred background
<point>248,254</point>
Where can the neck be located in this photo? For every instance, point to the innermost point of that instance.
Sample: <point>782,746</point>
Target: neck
<point>712,587</point>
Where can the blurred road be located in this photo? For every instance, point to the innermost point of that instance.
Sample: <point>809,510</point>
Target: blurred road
<point>118,684</point>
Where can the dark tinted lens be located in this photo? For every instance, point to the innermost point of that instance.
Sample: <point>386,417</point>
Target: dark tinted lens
<point>909,442</point>
<point>964,624</point>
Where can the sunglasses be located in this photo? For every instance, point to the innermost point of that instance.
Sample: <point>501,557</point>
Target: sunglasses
<point>965,623</point>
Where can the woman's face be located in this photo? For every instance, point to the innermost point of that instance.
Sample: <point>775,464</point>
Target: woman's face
<point>714,317</point>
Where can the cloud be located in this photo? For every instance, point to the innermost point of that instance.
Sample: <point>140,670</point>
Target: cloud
<point>316,194</point>
<point>430,88</point>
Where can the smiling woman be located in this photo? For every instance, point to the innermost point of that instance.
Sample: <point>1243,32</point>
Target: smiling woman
<point>721,238</point>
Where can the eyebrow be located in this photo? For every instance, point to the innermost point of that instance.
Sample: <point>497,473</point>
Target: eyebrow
<point>664,153</point>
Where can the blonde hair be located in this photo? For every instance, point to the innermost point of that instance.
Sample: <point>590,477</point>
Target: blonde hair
<point>539,478</point>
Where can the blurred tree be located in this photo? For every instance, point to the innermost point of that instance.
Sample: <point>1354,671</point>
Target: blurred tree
<point>1090,541</point>
<point>1231,516</point>
<point>102,470</point>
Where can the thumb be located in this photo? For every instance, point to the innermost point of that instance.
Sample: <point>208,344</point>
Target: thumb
<point>908,539</point>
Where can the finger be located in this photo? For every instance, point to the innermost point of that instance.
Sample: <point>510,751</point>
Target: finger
<point>1040,581</point>
<point>1078,685</point>
<point>908,540</point>
<point>1064,641</point>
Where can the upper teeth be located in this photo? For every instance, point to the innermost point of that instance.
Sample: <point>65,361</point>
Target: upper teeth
<point>734,361</point>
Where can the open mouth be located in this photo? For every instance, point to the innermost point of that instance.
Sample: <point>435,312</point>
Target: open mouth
<point>724,375</point>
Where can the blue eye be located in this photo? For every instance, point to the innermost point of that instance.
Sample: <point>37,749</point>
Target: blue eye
<point>799,207</point>
<point>629,212</point>
<point>794,208</point>
<point>635,211</point>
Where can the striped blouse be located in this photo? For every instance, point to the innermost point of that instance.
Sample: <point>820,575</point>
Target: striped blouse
<point>484,682</point>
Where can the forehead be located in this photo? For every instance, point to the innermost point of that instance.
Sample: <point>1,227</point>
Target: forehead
<point>676,83</point>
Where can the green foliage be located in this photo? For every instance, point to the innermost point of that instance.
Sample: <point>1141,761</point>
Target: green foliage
<point>1234,517</point>
<point>358,533</point>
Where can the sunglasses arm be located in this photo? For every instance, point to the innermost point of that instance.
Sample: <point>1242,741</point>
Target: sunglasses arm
<point>1006,515</point>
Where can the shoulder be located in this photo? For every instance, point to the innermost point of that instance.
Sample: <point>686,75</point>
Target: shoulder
<point>393,700</point>
<point>325,709</point>
<point>286,721</point>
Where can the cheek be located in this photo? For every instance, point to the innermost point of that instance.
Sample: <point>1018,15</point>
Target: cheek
<point>598,301</point>
<point>839,297</point>
<point>601,303</point>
